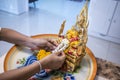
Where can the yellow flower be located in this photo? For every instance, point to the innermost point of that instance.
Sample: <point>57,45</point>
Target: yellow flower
<point>75,43</point>
<point>41,54</point>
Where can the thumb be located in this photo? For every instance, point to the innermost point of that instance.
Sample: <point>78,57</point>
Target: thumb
<point>62,55</point>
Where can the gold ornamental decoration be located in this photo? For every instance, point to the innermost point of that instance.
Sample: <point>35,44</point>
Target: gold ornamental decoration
<point>73,43</point>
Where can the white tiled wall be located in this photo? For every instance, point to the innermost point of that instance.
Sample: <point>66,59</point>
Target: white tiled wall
<point>104,49</point>
<point>99,47</point>
<point>14,6</point>
<point>114,53</point>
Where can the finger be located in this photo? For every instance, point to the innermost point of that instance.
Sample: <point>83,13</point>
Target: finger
<point>35,48</point>
<point>52,42</point>
<point>63,54</point>
<point>51,46</point>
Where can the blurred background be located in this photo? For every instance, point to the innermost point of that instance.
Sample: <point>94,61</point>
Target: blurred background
<point>32,17</point>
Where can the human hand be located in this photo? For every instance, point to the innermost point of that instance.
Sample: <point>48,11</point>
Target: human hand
<point>42,43</point>
<point>53,61</point>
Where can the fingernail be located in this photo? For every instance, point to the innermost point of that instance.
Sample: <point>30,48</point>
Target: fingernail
<point>54,47</point>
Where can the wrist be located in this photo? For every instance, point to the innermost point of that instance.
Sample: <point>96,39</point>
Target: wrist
<point>40,66</point>
<point>44,64</point>
<point>29,42</point>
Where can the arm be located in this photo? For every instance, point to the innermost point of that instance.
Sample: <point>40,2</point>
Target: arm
<point>20,74</point>
<point>15,37</point>
<point>12,36</point>
<point>52,61</point>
